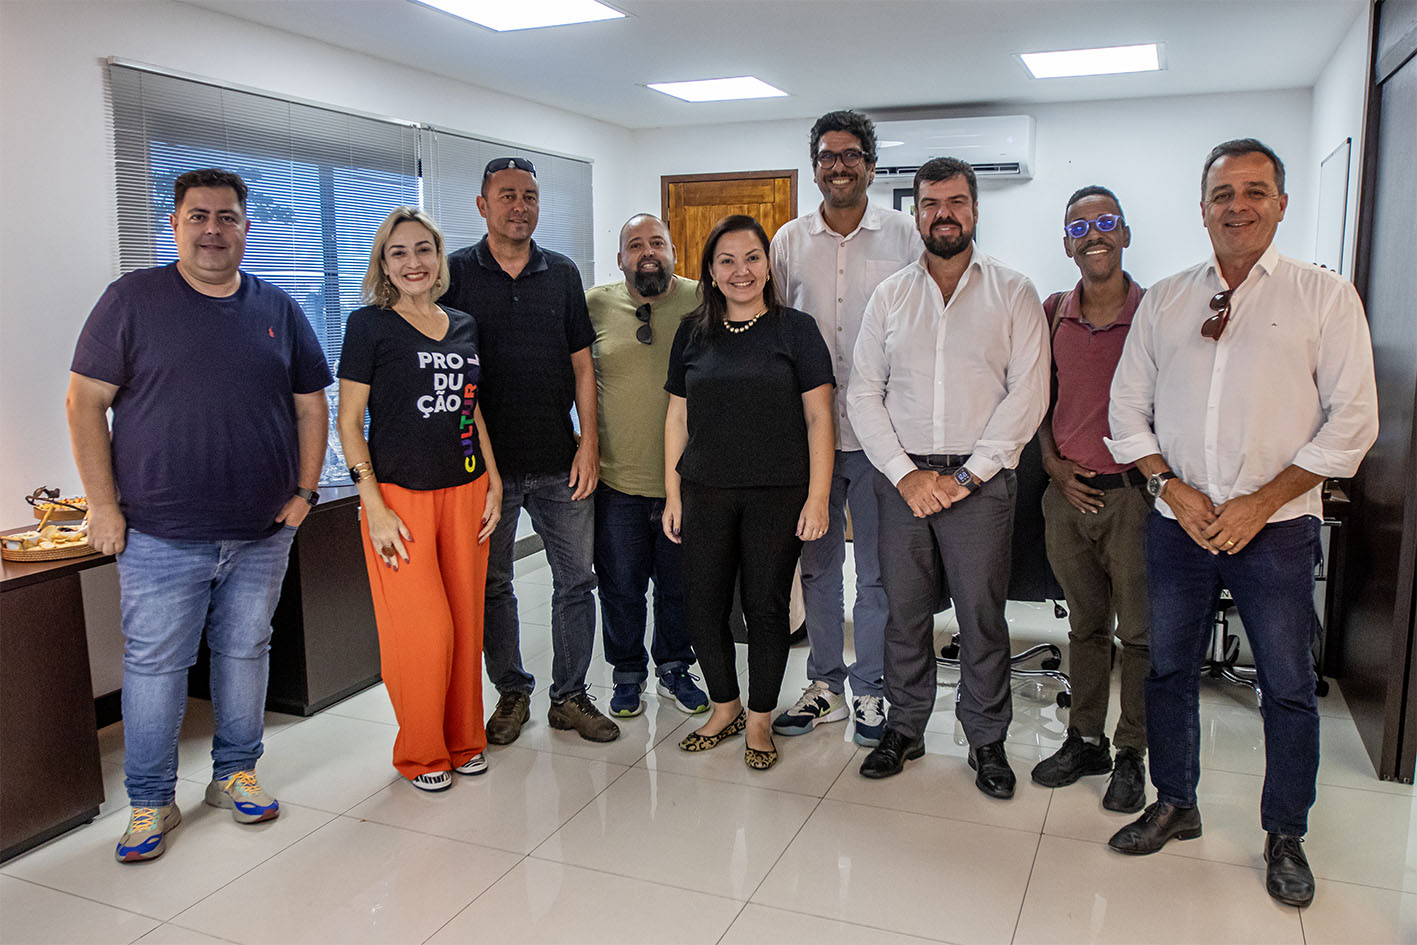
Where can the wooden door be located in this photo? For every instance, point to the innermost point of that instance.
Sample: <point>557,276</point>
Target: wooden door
<point>693,203</point>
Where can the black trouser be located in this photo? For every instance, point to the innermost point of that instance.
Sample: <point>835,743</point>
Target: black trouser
<point>747,535</point>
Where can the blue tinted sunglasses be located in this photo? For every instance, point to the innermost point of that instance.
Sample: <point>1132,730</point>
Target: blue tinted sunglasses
<point>1105,223</point>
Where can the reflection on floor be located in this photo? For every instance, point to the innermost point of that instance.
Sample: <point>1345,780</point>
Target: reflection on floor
<point>566,841</point>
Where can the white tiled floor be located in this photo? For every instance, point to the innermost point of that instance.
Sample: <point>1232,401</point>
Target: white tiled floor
<point>635,841</point>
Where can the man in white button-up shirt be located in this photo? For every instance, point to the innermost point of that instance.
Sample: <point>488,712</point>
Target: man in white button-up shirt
<point>827,263</point>
<point>1245,382</point>
<point>950,380</point>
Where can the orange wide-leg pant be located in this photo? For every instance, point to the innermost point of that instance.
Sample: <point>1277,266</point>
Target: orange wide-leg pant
<point>429,615</point>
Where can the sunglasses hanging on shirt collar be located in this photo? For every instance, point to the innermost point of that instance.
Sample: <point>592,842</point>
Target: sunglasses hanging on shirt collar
<point>644,334</point>
<point>1213,326</point>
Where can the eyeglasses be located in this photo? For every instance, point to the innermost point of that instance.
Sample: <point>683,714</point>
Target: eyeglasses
<point>1215,324</point>
<point>508,164</point>
<point>1105,223</point>
<point>851,157</point>
<point>644,334</point>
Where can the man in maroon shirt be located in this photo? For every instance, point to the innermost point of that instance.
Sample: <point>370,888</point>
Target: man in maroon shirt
<point>1095,508</point>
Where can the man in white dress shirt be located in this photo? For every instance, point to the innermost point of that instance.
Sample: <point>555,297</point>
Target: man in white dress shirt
<point>950,381</point>
<point>1244,383</point>
<point>827,263</point>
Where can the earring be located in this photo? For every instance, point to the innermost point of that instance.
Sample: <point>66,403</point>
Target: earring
<point>713,282</point>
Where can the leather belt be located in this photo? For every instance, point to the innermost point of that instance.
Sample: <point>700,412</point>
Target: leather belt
<point>1124,479</point>
<point>938,460</point>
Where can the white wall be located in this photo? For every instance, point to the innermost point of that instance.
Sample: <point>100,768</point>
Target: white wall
<point>56,174</point>
<point>1149,151</point>
<point>1340,97</point>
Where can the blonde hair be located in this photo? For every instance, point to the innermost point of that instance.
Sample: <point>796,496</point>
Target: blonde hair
<point>377,289</point>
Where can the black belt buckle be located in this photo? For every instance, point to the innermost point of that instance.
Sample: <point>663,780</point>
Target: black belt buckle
<point>938,461</point>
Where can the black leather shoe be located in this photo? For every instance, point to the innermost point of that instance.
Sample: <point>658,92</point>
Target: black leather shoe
<point>1074,760</point>
<point>1126,792</point>
<point>1157,824</point>
<point>890,756</point>
<point>995,777</point>
<point>1288,877</point>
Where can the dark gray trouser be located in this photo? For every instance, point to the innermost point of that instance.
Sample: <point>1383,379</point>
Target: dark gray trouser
<point>972,543</point>
<point>1101,566</point>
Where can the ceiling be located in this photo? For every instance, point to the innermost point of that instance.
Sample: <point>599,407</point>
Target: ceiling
<point>869,54</point>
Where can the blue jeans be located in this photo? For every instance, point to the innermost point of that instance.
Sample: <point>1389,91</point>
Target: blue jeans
<point>630,549</point>
<point>171,590</point>
<point>853,483</point>
<point>1272,582</point>
<point>567,528</point>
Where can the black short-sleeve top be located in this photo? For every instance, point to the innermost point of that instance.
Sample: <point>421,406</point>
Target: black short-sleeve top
<point>743,398</point>
<point>422,394</point>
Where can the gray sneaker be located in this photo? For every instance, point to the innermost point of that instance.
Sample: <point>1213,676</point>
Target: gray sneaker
<point>579,713</point>
<point>146,836</point>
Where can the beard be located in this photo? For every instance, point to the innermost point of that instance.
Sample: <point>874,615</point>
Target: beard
<point>652,283</point>
<point>947,248</point>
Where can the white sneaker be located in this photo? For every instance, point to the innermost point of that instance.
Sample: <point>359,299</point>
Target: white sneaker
<point>433,781</point>
<point>870,715</point>
<point>477,764</point>
<point>818,704</point>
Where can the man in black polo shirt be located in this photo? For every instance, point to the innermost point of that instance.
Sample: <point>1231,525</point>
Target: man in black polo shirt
<point>535,335</point>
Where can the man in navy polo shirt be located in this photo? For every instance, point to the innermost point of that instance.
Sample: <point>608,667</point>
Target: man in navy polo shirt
<point>536,334</point>
<point>216,382</point>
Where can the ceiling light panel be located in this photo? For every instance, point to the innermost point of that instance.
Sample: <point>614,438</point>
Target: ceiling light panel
<point>1109,60</point>
<point>506,15</point>
<point>718,90</point>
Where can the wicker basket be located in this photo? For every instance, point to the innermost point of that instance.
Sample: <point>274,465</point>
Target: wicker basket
<point>72,550</point>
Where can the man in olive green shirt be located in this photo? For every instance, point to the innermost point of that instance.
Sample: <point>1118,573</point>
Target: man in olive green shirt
<point>635,320</point>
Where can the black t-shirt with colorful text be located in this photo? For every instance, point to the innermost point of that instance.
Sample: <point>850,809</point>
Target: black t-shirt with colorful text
<point>422,394</point>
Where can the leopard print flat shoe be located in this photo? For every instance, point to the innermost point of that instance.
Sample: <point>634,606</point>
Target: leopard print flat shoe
<point>696,742</point>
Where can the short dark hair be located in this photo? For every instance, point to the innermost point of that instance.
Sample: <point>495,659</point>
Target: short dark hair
<point>944,168</point>
<point>208,177</point>
<point>853,123</point>
<point>713,308</point>
<point>1092,190</point>
<point>1237,146</point>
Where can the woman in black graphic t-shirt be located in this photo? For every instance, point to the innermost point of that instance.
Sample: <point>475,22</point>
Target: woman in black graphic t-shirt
<point>429,492</point>
<point>748,446</point>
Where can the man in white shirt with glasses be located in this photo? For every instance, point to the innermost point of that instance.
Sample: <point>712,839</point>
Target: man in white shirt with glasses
<point>827,263</point>
<point>1245,382</point>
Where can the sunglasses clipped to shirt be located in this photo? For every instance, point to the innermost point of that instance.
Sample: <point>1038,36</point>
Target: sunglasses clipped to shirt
<point>644,334</point>
<point>1213,326</point>
<point>1105,223</point>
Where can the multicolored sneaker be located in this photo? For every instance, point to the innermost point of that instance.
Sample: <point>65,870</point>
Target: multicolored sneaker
<point>146,836</point>
<point>677,685</point>
<point>241,792</point>
<point>870,715</point>
<point>818,704</point>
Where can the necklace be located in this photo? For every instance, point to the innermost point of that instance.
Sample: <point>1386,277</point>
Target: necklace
<point>737,328</point>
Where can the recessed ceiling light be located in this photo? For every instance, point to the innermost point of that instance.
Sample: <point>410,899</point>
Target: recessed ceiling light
<point>505,15</point>
<point>718,90</point>
<point>1108,60</point>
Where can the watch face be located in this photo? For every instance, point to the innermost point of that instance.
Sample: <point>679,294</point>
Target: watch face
<point>962,476</point>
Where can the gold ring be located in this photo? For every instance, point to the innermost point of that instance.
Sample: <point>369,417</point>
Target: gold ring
<point>1229,543</point>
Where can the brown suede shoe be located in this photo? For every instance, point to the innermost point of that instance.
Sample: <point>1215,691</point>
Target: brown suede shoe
<point>513,709</point>
<point>579,713</point>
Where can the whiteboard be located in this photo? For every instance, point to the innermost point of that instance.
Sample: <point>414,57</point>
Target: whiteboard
<point>1330,236</point>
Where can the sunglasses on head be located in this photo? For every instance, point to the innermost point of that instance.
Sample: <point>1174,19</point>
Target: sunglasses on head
<point>1105,223</point>
<point>508,164</point>
<point>1219,304</point>
<point>644,334</point>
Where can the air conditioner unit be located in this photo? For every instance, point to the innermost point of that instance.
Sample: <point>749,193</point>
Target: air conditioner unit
<point>998,146</point>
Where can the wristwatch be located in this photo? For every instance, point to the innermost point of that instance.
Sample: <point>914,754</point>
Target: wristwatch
<point>1154,484</point>
<point>966,479</point>
<point>309,495</point>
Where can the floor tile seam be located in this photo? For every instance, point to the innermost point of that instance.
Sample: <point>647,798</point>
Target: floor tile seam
<point>640,879</point>
<point>719,779</point>
<point>482,845</point>
<point>787,846</point>
<point>576,813</point>
<point>1411,790</point>
<point>955,820</point>
<point>473,901</point>
<point>97,902</point>
<point>220,938</point>
<point>858,925</point>
<point>334,710</point>
<point>732,922</point>
<point>1260,868</point>
<point>1028,883</point>
<point>257,865</point>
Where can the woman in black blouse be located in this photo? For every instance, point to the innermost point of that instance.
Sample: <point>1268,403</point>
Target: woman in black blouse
<point>429,494</point>
<point>748,447</point>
